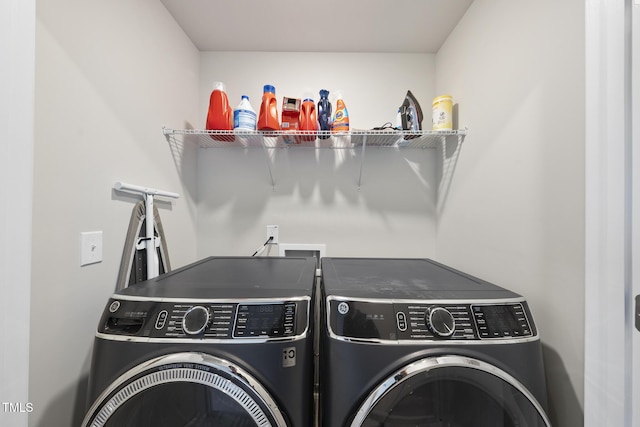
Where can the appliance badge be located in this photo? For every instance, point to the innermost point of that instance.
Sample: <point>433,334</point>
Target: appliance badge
<point>343,308</point>
<point>288,357</point>
<point>114,306</point>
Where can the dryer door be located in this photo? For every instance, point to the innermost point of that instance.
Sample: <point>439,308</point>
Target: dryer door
<point>453,391</point>
<point>185,389</point>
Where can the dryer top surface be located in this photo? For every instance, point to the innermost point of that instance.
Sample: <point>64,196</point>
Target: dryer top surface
<point>233,278</point>
<point>391,278</point>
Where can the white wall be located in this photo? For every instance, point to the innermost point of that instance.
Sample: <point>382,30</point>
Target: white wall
<point>17,49</point>
<point>316,197</point>
<point>109,75</point>
<point>515,214</point>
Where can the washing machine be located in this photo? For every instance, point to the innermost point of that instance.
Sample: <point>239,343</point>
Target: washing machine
<point>226,341</point>
<point>414,343</point>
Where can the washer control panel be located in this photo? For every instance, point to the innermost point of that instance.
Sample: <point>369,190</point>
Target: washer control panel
<point>427,320</point>
<point>206,320</point>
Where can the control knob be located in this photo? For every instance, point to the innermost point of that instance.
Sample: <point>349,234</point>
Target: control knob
<point>196,320</point>
<point>440,321</point>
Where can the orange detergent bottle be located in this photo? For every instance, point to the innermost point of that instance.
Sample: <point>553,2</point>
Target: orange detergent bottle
<point>268,118</point>
<point>220,114</point>
<point>340,122</point>
<point>308,120</point>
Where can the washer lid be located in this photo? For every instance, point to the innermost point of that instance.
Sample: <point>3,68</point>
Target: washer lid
<point>233,277</point>
<point>404,278</point>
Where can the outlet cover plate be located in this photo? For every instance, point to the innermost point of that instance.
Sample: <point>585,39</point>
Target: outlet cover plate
<point>272,231</point>
<point>90,247</point>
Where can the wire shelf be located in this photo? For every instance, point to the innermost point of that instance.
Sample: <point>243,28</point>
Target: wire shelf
<point>314,139</point>
<point>449,142</point>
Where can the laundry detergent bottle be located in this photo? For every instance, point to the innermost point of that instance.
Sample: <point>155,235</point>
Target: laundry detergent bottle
<point>341,117</point>
<point>268,118</point>
<point>324,114</point>
<point>308,120</point>
<point>220,115</point>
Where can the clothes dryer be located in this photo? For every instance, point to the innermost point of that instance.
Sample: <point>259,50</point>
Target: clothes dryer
<point>226,341</point>
<point>411,342</point>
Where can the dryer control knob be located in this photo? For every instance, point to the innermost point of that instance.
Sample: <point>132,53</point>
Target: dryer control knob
<point>440,321</point>
<point>196,320</point>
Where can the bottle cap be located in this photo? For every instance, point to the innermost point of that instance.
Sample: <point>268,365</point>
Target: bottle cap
<point>219,86</point>
<point>269,88</point>
<point>324,93</point>
<point>245,97</point>
<point>308,100</point>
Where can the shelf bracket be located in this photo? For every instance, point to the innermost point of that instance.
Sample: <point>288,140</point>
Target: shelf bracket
<point>364,145</point>
<point>150,240</point>
<point>267,156</point>
<point>450,151</point>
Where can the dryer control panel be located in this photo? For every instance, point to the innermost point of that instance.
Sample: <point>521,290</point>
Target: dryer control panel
<point>267,320</point>
<point>428,320</point>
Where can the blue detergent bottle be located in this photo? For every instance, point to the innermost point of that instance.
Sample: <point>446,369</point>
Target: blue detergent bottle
<point>324,114</point>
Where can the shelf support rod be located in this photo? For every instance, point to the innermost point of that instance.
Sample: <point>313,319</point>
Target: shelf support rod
<point>364,144</point>
<point>266,154</point>
<point>148,194</point>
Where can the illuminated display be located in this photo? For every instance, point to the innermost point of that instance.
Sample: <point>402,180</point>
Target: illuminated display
<point>265,320</point>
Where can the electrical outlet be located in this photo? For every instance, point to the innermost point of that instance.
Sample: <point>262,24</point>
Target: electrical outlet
<point>272,231</point>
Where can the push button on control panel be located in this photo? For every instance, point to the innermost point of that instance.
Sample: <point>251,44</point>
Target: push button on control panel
<point>289,319</point>
<point>401,319</point>
<point>162,319</point>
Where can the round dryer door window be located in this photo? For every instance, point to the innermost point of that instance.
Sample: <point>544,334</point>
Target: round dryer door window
<point>185,389</point>
<point>452,391</point>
